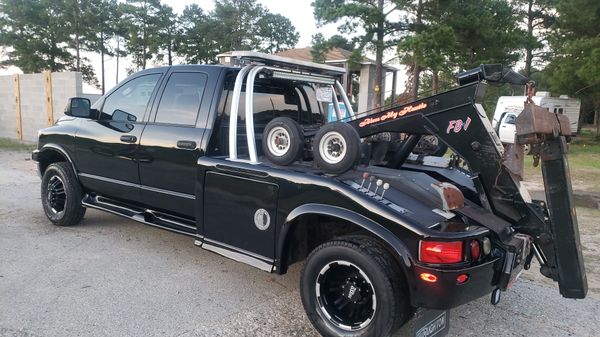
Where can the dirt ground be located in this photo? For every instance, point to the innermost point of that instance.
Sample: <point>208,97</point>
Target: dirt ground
<point>114,277</point>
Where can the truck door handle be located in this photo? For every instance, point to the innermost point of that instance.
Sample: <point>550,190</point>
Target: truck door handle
<point>128,139</point>
<point>186,144</point>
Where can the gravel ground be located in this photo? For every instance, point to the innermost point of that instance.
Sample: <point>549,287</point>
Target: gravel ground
<point>114,277</point>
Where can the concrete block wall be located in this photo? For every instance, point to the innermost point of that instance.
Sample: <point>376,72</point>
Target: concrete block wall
<point>8,119</point>
<point>34,111</point>
<point>33,105</point>
<point>64,86</point>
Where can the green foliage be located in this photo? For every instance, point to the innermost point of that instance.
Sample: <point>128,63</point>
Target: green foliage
<point>142,23</point>
<point>195,43</point>
<point>39,34</point>
<point>35,34</point>
<point>538,16</point>
<point>457,34</point>
<point>233,25</point>
<point>321,46</point>
<point>451,35</point>
<point>375,26</point>
<point>575,68</point>
<point>276,33</point>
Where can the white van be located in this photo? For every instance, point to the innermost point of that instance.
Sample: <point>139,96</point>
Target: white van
<point>509,107</point>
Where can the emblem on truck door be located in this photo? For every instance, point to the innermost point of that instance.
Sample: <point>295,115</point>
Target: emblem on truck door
<point>262,219</point>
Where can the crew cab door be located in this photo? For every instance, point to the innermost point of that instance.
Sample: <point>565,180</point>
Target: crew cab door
<point>107,147</point>
<point>171,142</point>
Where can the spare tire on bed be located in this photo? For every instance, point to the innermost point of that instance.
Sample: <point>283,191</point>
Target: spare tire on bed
<point>336,148</point>
<point>283,141</point>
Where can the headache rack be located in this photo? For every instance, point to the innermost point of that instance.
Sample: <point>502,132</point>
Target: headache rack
<point>276,67</point>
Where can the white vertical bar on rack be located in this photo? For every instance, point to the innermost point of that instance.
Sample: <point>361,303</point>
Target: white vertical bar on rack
<point>233,112</point>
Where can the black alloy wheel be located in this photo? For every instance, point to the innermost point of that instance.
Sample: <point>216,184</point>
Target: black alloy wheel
<point>61,195</point>
<point>345,295</point>
<point>351,287</point>
<point>56,196</point>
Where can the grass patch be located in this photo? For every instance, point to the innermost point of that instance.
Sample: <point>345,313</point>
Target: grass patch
<point>584,162</point>
<point>9,144</point>
<point>584,150</point>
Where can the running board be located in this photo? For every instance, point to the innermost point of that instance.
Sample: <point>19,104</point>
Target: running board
<point>145,216</point>
<point>177,225</point>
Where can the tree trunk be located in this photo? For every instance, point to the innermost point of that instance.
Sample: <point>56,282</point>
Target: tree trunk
<point>144,48</point>
<point>118,52</point>
<point>414,86</point>
<point>78,58</point>
<point>169,51</point>
<point>435,82</point>
<point>416,67</point>
<point>102,61</point>
<point>379,57</point>
<point>597,118</point>
<point>529,49</point>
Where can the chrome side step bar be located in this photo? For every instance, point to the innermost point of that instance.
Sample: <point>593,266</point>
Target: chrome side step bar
<point>145,216</point>
<point>178,225</point>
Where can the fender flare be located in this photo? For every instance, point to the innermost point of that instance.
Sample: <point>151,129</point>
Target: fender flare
<point>56,148</point>
<point>402,255</point>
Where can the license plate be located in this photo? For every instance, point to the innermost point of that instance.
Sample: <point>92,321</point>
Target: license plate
<point>430,323</point>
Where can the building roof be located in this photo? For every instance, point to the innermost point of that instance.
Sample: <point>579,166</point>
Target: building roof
<point>334,55</point>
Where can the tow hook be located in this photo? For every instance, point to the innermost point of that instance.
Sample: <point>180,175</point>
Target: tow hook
<point>496,296</point>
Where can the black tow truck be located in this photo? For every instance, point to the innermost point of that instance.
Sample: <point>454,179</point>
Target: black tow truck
<point>242,159</point>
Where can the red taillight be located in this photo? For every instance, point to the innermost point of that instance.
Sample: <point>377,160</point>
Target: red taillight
<point>475,250</point>
<point>441,252</point>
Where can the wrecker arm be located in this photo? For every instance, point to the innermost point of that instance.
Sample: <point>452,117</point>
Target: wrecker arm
<point>458,119</point>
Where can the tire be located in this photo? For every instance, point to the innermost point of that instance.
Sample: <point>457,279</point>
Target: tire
<point>283,141</point>
<point>336,148</point>
<point>430,145</point>
<point>350,287</point>
<point>61,195</point>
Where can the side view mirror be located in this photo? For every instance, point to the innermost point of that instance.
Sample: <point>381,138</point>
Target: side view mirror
<point>79,107</point>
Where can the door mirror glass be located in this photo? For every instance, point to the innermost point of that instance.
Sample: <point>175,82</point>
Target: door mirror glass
<point>79,107</point>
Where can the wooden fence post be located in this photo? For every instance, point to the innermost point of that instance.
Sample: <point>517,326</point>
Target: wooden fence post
<point>48,86</point>
<point>18,107</point>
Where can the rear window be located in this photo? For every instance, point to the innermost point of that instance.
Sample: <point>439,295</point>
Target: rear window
<point>181,99</point>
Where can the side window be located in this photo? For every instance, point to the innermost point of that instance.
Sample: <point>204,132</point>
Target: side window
<point>181,99</point>
<point>128,103</point>
<point>510,119</point>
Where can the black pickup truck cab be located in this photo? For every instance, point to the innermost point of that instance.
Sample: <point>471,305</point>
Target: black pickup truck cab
<point>183,148</point>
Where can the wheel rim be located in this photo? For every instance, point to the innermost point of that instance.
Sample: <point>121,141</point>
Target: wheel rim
<point>333,147</point>
<point>56,195</point>
<point>345,296</point>
<point>427,145</point>
<point>278,141</point>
